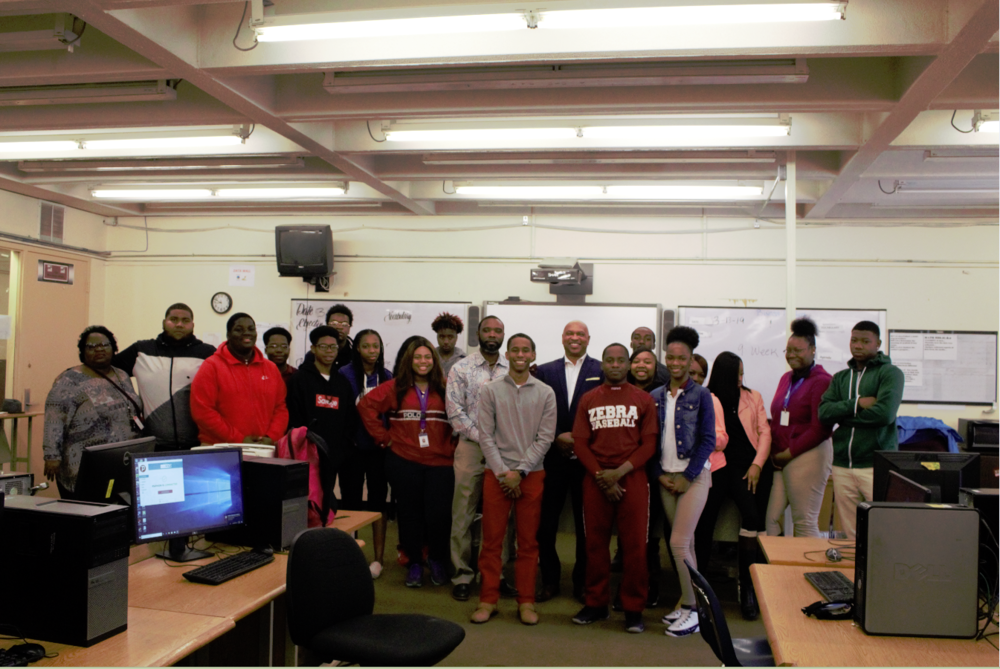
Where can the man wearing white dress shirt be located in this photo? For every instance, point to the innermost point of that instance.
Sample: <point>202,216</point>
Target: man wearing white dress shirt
<point>570,377</point>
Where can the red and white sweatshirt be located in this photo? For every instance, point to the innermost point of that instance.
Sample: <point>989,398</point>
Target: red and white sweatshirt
<point>404,425</point>
<point>614,424</point>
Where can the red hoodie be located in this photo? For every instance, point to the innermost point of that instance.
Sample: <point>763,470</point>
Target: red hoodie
<point>231,399</point>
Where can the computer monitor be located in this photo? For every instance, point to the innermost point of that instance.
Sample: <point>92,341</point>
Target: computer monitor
<point>902,489</point>
<point>943,473</point>
<point>178,494</point>
<point>106,471</point>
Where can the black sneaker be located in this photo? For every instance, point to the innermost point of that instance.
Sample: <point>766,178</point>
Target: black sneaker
<point>633,622</point>
<point>591,614</point>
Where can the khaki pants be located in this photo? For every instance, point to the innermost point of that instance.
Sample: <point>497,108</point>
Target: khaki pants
<point>850,488</point>
<point>469,467</point>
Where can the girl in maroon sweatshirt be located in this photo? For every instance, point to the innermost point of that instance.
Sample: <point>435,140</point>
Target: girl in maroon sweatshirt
<point>420,456</point>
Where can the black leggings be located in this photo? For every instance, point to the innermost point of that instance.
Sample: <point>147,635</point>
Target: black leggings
<point>364,465</point>
<point>729,482</point>
<point>424,509</point>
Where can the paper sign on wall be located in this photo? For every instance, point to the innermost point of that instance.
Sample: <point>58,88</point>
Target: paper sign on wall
<point>241,275</point>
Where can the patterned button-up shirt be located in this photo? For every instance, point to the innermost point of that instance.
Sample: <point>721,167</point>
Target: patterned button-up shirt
<point>465,381</point>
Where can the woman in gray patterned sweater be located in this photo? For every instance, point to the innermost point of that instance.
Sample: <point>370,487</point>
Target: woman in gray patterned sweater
<point>92,403</point>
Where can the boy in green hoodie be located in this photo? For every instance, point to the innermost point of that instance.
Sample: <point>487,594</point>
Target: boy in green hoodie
<point>862,400</point>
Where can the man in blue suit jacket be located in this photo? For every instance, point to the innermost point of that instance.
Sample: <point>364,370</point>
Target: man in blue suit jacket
<point>570,377</point>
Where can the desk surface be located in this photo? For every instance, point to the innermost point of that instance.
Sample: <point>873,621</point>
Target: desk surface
<point>153,584</point>
<point>805,551</point>
<point>351,521</point>
<point>798,640</point>
<point>169,617</point>
<point>153,638</point>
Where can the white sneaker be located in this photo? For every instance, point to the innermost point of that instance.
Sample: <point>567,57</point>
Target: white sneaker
<point>686,624</point>
<point>673,615</point>
<point>376,569</point>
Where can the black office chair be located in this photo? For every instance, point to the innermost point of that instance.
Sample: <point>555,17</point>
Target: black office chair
<point>754,652</point>
<point>331,596</point>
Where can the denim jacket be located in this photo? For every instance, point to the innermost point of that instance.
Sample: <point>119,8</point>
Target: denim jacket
<point>694,427</point>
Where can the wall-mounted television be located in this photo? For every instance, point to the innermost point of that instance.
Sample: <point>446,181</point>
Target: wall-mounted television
<point>304,250</point>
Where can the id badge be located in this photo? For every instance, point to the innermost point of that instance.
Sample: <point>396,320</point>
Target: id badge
<point>138,423</point>
<point>784,418</point>
<point>424,440</point>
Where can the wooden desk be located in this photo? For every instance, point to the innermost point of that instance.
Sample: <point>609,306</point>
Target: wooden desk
<point>155,585</point>
<point>352,521</point>
<point>799,550</point>
<point>169,618</point>
<point>798,640</point>
<point>153,639</point>
<point>15,418</point>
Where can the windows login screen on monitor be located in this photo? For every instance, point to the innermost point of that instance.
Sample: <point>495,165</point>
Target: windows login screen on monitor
<point>183,493</point>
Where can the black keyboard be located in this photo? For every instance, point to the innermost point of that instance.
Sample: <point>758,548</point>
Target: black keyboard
<point>833,585</point>
<point>222,570</point>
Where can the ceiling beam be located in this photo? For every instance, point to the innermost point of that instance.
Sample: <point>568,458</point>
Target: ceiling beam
<point>169,38</point>
<point>935,79</point>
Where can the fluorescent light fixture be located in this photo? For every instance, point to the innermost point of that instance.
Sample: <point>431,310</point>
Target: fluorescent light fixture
<point>652,192</point>
<point>39,146</point>
<point>325,26</point>
<point>82,140</point>
<point>662,133</point>
<point>160,142</point>
<point>232,194</point>
<point>686,192</point>
<point>668,131</point>
<point>533,192</point>
<point>986,121</point>
<point>136,194</point>
<point>962,154</point>
<point>283,29</point>
<point>278,193</point>
<point>481,134</point>
<point>125,91</point>
<point>910,188</point>
<point>162,164</point>
<point>583,19</point>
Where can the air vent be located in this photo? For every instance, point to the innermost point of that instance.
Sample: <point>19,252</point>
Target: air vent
<point>51,227</point>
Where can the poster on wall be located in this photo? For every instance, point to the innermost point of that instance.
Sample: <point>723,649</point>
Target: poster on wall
<point>55,272</point>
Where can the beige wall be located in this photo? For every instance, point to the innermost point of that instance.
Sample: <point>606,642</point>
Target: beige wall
<point>927,278</point>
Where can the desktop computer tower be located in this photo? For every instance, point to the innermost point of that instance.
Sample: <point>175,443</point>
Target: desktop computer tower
<point>916,569</point>
<point>985,500</point>
<point>67,568</point>
<point>16,484</point>
<point>275,504</point>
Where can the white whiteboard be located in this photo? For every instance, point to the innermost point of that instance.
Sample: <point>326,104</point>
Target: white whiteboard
<point>946,367</point>
<point>544,322</point>
<point>759,336</point>
<point>394,321</point>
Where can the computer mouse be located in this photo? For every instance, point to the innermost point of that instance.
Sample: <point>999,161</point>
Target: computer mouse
<point>833,555</point>
<point>267,550</point>
<point>32,652</point>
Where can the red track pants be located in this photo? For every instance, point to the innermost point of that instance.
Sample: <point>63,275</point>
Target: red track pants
<point>632,514</point>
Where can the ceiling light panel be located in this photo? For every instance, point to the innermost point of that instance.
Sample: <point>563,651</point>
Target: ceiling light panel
<point>721,14</point>
<point>653,192</point>
<point>334,25</point>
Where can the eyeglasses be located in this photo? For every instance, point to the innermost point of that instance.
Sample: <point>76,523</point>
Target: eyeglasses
<point>277,347</point>
<point>98,347</point>
<point>326,348</point>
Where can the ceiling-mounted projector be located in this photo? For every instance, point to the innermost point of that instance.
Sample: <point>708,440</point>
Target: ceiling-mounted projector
<point>559,273</point>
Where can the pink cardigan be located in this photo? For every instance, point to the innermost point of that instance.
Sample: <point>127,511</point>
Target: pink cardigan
<point>755,423</point>
<point>716,458</point>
